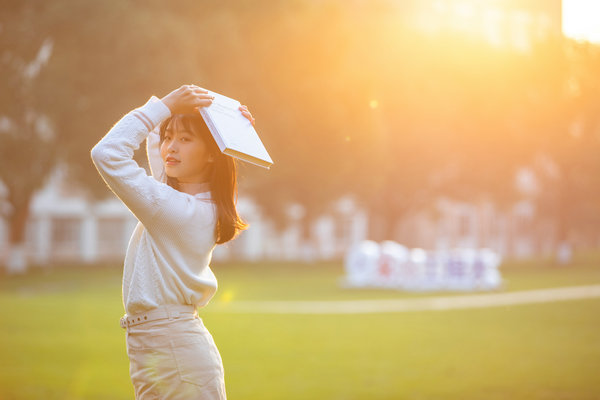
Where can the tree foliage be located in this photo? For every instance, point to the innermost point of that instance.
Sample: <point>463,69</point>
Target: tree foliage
<point>348,100</point>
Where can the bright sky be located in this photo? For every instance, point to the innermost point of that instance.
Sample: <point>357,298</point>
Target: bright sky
<point>581,19</point>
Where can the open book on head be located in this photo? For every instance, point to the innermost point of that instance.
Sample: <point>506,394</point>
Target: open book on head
<point>233,133</point>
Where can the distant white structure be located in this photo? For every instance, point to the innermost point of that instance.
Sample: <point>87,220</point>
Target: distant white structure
<point>66,226</point>
<point>393,266</point>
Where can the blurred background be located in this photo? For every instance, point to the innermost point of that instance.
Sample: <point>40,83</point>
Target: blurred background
<point>433,123</point>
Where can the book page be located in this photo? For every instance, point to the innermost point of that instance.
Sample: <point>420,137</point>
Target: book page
<point>235,130</point>
<point>224,110</point>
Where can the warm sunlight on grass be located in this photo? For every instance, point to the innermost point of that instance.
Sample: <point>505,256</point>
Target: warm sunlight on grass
<point>60,339</point>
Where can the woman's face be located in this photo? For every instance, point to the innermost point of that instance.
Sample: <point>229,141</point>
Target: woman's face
<point>184,154</point>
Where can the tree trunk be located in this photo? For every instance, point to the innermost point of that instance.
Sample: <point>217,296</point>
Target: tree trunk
<point>17,262</point>
<point>563,252</point>
<point>309,246</point>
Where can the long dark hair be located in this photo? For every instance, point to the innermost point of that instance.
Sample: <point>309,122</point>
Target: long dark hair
<point>222,177</point>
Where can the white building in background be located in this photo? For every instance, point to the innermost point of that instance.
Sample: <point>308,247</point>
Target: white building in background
<point>66,226</point>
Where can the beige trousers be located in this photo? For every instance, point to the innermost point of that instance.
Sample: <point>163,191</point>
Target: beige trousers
<point>175,359</point>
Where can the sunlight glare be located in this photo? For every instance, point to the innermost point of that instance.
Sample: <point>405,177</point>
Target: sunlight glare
<point>581,19</point>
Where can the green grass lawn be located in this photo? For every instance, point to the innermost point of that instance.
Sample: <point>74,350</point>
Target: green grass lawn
<point>60,339</point>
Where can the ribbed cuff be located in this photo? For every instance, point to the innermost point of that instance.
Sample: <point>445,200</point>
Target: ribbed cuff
<point>152,113</point>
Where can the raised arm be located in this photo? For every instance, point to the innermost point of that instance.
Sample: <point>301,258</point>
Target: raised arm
<point>113,155</point>
<point>185,99</point>
<point>155,162</point>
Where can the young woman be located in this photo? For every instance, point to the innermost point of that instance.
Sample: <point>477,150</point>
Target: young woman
<point>184,210</point>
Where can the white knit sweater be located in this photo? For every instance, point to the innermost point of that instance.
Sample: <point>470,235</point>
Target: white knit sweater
<point>169,253</point>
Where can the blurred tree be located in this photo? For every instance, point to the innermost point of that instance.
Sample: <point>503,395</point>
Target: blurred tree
<point>310,107</point>
<point>444,126</point>
<point>26,132</point>
<point>566,137</point>
<point>348,99</point>
<point>55,108</point>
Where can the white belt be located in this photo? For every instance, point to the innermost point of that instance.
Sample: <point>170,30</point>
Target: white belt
<point>163,312</point>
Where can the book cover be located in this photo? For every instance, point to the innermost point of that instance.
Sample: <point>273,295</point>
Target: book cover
<point>233,133</point>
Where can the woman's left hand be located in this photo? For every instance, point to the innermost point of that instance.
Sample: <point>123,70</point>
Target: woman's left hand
<point>247,114</point>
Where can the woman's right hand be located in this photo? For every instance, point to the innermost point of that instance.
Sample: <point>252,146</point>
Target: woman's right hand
<point>187,99</point>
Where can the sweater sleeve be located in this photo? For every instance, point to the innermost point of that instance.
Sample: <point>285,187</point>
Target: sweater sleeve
<point>153,153</point>
<point>113,157</point>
